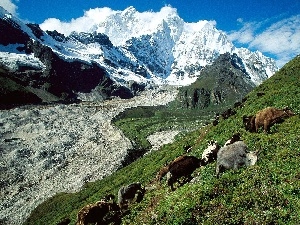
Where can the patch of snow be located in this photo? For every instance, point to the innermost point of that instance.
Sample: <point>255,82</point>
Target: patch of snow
<point>14,60</point>
<point>159,139</point>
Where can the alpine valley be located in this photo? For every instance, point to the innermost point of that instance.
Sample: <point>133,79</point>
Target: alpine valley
<point>60,92</point>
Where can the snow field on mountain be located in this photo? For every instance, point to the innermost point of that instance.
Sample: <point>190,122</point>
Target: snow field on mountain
<point>168,49</point>
<point>14,61</point>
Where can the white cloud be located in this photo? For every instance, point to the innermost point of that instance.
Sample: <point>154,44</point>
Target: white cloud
<point>98,15</point>
<point>119,29</point>
<point>240,20</point>
<point>10,6</point>
<point>280,38</point>
<point>81,24</point>
<point>245,34</point>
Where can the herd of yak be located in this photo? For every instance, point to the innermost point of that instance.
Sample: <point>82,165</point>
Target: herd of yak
<point>233,155</point>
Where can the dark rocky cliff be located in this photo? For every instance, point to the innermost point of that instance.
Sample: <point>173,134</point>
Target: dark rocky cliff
<point>222,83</point>
<point>11,33</point>
<point>61,78</point>
<point>66,78</point>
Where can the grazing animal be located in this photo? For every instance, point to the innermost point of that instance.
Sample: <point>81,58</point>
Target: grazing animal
<point>227,113</point>
<point>215,122</point>
<point>65,221</point>
<point>259,94</point>
<point>127,194</point>
<point>236,137</point>
<point>269,116</point>
<point>210,153</point>
<point>238,105</point>
<point>234,156</point>
<point>249,123</point>
<point>164,170</point>
<point>182,168</point>
<point>101,212</point>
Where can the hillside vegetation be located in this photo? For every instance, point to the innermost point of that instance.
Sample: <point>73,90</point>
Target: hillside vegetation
<point>267,193</point>
<point>13,93</point>
<point>220,85</point>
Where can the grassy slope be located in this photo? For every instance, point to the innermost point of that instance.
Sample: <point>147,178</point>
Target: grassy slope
<point>267,193</point>
<point>13,93</point>
<point>138,123</point>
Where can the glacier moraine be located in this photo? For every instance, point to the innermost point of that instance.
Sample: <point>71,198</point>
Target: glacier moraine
<point>58,148</point>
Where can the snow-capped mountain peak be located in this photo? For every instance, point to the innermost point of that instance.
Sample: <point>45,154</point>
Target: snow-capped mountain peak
<point>147,47</point>
<point>120,26</point>
<point>190,46</point>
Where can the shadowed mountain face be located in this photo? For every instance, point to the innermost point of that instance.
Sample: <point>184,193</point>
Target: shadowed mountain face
<point>222,83</point>
<point>50,74</point>
<point>121,61</point>
<point>75,76</point>
<point>11,33</point>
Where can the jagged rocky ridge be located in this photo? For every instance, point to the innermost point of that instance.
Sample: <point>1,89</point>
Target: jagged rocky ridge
<point>39,69</point>
<point>222,83</point>
<point>117,58</point>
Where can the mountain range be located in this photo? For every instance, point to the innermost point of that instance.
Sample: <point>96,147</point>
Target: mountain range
<point>122,55</point>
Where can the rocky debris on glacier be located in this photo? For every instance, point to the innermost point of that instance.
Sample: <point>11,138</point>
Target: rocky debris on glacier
<point>48,149</point>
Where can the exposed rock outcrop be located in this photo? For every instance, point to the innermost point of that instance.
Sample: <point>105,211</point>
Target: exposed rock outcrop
<point>11,32</point>
<point>224,82</point>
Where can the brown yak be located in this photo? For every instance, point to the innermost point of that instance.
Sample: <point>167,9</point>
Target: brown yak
<point>182,169</point>
<point>266,118</point>
<point>101,212</point>
<point>164,170</point>
<point>269,116</point>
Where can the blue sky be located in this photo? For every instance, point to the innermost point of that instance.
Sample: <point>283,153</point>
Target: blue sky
<point>270,26</point>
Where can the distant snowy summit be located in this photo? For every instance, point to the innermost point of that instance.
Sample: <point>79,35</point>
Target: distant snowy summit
<point>148,48</point>
<point>167,47</point>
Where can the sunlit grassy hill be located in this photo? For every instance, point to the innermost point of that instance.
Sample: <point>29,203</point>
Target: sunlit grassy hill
<point>267,193</point>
